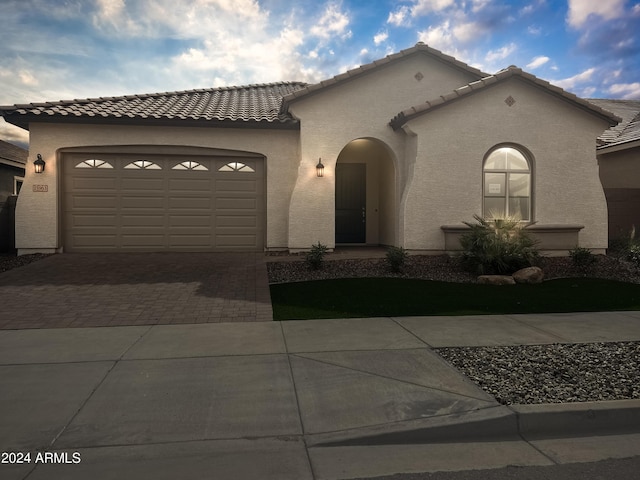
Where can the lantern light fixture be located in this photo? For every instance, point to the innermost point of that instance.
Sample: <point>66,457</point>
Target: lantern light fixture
<point>320,168</point>
<point>39,164</point>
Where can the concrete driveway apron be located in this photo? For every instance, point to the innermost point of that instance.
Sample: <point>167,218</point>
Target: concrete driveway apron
<point>89,290</point>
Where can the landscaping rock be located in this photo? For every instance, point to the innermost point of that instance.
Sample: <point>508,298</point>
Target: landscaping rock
<point>529,275</point>
<point>496,280</point>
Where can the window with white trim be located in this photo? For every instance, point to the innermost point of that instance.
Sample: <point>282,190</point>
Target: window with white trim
<point>189,165</point>
<point>507,184</point>
<point>236,167</point>
<point>94,163</point>
<point>143,165</point>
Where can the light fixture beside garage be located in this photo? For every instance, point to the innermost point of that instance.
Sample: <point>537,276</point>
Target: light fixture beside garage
<point>39,164</point>
<point>320,168</point>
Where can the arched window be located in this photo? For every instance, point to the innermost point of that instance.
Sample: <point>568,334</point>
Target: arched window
<point>507,184</point>
<point>236,167</point>
<point>143,165</point>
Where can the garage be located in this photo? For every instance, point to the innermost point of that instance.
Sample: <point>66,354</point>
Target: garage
<point>162,201</point>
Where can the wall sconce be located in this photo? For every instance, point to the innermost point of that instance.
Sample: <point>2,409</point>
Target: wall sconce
<point>320,168</point>
<point>39,164</point>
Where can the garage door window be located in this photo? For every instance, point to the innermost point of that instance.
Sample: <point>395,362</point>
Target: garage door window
<point>143,165</point>
<point>236,167</point>
<point>189,166</point>
<point>94,163</point>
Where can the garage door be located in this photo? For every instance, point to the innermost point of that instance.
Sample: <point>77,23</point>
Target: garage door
<point>162,203</point>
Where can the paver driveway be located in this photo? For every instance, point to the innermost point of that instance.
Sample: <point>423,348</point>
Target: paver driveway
<point>81,290</point>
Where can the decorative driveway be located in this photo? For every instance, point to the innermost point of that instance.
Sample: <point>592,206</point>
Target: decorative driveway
<point>86,290</point>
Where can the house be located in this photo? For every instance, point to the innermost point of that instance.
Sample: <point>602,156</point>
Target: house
<point>400,152</point>
<point>619,158</point>
<point>12,164</point>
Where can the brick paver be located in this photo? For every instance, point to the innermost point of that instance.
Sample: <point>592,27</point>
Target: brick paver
<point>81,290</point>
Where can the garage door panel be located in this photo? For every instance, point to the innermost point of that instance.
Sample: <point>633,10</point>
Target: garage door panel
<point>231,185</point>
<point>93,183</point>
<point>196,203</point>
<point>237,221</point>
<point>185,209</point>
<point>190,221</point>
<point>142,202</point>
<point>94,220</point>
<point>94,202</point>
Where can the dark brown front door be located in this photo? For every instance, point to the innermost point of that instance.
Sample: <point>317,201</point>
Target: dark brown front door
<point>351,202</point>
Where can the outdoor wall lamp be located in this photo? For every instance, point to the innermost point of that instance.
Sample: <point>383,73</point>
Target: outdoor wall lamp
<point>320,168</point>
<point>39,164</point>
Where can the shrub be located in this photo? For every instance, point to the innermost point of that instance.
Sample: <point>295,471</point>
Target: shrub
<point>315,256</point>
<point>497,246</point>
<point>633,254</point>
<point>581,257</point>
<point>396,256</point>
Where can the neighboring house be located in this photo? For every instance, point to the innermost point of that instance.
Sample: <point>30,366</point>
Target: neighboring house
<point>412,145</point>
<point>619,158</point>
<point>12,165</point>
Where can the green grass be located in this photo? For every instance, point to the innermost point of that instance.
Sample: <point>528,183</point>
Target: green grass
<point>385,297</point>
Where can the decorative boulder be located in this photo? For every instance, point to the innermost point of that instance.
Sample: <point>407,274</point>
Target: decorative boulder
<point>496,280</point>
<point>529,275</point>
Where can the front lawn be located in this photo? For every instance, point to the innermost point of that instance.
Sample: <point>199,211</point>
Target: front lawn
<point>391,297</point>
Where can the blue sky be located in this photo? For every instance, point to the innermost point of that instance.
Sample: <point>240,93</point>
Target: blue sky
<point>63,49</point>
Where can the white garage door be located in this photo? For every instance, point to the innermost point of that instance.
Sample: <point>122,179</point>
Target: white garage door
<point>157,203</point>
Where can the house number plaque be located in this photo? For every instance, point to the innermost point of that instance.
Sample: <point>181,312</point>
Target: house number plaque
<point>41,188</point>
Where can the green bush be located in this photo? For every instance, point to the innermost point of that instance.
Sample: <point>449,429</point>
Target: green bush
<point>582,257</point>
<point>497,246</point>
<point>633,254</point>
<point>315,256</point>
<point>396,256</point>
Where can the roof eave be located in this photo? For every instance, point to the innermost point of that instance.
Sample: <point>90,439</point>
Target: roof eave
<point>23,121</point>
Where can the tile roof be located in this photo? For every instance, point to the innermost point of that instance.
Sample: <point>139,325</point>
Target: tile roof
<point>364,69</point>
<point>628,130</point>
<point>11,154</point>
<point>250,104</point>
<point>399,120</point>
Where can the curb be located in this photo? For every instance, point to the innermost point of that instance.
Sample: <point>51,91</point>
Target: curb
<point>501,423</point>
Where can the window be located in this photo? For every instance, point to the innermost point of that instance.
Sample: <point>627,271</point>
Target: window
<point>143,165</point>
<point>189,166</point>
<point>94,163</point>
<point>236,167</point>
<point>507,184</point>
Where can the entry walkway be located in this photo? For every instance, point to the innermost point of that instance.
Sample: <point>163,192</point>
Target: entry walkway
<point>85,290</point>
<point>300,400</point>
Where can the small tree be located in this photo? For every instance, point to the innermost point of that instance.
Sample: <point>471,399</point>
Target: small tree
<point>396,257</point>
<point>497,246</point>
<point>315,256</point>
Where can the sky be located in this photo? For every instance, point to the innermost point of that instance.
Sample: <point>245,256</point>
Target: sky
<point>66,49</point>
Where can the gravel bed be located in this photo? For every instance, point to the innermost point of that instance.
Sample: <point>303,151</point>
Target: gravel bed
<point>9,261</point>
<point>440,267</point>
<point>558,373</point>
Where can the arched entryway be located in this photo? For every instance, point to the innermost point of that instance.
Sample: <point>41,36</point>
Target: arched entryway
<point>365,194</point>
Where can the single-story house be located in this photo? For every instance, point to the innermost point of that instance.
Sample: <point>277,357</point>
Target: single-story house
<point>12,165</point>
<point>400,152</point>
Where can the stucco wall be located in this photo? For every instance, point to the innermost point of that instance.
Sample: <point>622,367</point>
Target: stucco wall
<point>359,108</point>
<point>37,220</point>
<point>446,186</point>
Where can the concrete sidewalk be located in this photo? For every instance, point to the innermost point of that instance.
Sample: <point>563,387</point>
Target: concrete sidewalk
<point>326,399</point>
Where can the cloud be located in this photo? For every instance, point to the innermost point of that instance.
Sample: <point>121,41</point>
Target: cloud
<point>399,17</point>
<point>332,23</point>
<point>501,53</point>
<point>537,62</point>
<point>425,7</point>
<point>574,81</point>
<point>581,10</point>
<point>627,91</point>
<point>380,37</point>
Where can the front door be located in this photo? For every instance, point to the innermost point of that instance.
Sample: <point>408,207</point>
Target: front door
<point>351,196</point>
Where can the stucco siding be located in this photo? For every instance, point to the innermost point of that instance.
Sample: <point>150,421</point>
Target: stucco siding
<point>37,213</point>
<point>360,108</point>
<point>446,187</point>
